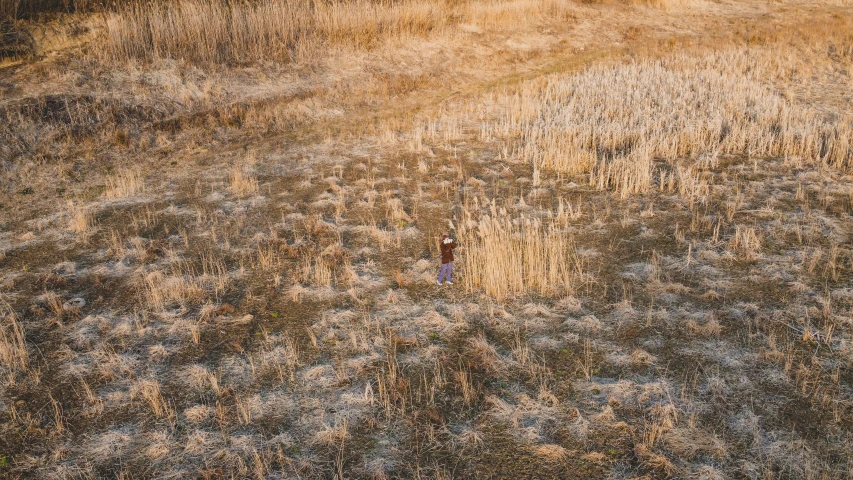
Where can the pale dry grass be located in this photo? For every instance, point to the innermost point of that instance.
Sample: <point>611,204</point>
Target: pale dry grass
<point>631,126</point>
<point>182,285</point>
<point>149,391</point>
<point>126,184</point>
<point>317,271</point>
<point>80,219</point>
<point>211,32</point>
<point>498,14</point>
<point>354,381</point>
<point>690,442</point>
<point>242,181</point>
<point>13,346</point>
<point>506,256</point>
<point>746,241</point>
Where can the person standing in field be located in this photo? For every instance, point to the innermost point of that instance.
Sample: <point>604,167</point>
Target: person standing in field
<point>447,245</point>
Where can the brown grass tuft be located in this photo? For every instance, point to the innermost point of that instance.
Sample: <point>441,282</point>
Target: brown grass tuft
<point>149,391</point>
<point>746,242</point>
<point>125,184</point>
<point>242,181</point>
<point>80,218</point>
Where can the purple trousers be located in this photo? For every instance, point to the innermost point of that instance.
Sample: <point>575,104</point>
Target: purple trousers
<point>446,271</point>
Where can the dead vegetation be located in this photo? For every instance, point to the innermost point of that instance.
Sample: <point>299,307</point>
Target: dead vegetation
<point>125,184</point>
<point>267,30</point>
<point>608,123</point>
<point>510,256</point>
<point>13,347</point>
<point>232,275</point>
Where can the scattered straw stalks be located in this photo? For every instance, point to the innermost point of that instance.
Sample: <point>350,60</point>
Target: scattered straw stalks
<point>746,242</point>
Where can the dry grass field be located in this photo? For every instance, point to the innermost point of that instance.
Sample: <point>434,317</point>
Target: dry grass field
<point>219,227</point>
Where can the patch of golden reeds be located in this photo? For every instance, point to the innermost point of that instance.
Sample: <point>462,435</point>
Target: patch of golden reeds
<point>506,256</point>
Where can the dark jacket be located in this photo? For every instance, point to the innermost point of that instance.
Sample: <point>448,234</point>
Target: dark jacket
<point>447,251</point>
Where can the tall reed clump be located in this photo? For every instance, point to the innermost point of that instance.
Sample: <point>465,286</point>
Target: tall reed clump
<point>242,181</point>
<point>28,9</point>
<point>506,256</point>
<point>211,32</point>
<point>13,346</point>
